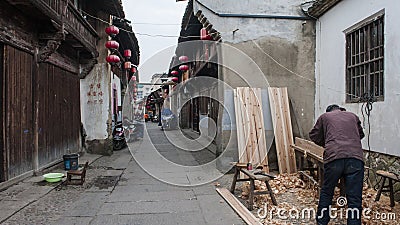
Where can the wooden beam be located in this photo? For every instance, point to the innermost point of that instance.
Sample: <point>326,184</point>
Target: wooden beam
<point>239,208</point>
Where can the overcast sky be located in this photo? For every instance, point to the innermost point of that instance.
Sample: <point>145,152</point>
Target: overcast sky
<point>146,17</point>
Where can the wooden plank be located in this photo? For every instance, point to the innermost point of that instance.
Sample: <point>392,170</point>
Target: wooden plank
<point>239,208</point>
<point>250,126</point>
<point>253,129</point>
<point>239,126</point>
<point>279,105</point>
<point>309,146</point>
<point>308,154</point>
<point>259,122</point>
<point>247,125</point>
<point>289,131</point>
<point>275,113</point>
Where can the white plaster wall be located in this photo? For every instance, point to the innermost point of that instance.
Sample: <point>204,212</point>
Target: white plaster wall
<point>330,68</point>
<point>252,28</point>
<point>95,102</point>
<point>116,82</point>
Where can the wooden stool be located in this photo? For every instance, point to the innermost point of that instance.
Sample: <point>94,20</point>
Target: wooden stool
<point>252,176</point>
<point>387,188</point>
<point>78,173</point>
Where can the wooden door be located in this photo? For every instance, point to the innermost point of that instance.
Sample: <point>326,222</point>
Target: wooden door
<point>2,152</point>
<point>17,112</point>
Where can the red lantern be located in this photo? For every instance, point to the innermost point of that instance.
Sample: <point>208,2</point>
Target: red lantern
<point>133,78</point>
<point>134,90</point>
<point>174,72</point>
<point>112,45</point>
<point>127,53</point>
<point>174,79</point>
<point>112,59</point>
<point>204,34</point>
<point>127,65</point>
<point>183,58</point>
<point>184,67</point>
<point>112,31</point>
<point>133,69</point>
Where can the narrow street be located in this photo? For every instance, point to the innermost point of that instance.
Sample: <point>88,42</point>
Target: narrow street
<point>119,191</point>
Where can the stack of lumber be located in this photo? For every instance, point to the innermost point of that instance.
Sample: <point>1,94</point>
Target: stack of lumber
<point>250,127</point>
<point>280,111</point>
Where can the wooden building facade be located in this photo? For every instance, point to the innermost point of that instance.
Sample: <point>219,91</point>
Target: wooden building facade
<point>46,47</point>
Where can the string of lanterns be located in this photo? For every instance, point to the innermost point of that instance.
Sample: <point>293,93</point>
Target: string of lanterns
<point>113,58</point>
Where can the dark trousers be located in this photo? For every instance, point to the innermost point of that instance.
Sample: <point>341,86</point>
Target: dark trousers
<point>352,170</point>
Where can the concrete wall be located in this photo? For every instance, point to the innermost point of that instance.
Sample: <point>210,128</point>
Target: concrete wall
<point>284,50</point>
<point>330,73</point>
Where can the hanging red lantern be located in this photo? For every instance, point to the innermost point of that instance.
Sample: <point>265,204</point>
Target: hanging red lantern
<point>127,53</point>
<point>133,78</point>
<point>183,58</point>
<point>174,72</point>
<point>112,45</point>
<point>112,59</point>
<point>204,34</point>
<point>184,67</point>
<point>174,79</point>
<point>133,69</point>
<point>127,65</point>
<point>112,31</point>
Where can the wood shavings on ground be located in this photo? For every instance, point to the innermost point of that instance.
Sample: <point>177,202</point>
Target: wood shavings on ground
<point>298,202</point>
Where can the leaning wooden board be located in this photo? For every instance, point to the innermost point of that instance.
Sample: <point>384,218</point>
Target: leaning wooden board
<point>250,127</point>
<point>279,104</point>
<point>239,208</point>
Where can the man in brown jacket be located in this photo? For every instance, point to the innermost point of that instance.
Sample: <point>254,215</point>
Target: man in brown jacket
<point>340,133</point>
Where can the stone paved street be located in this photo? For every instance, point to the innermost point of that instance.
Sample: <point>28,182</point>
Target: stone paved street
<point>119,191</point>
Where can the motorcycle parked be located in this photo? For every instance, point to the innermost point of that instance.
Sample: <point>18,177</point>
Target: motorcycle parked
<point>168,119</point>
<point>118,137</point>
<point>129,131</point>
<point>155,119</point>
<point>133,130</point>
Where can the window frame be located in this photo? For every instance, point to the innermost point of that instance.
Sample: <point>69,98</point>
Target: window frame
<point>363,68</point>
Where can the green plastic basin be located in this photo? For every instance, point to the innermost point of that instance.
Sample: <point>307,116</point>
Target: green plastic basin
<point>53,177</point>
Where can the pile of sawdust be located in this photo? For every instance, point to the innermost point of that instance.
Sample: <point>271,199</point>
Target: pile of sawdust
<point>293,194</point>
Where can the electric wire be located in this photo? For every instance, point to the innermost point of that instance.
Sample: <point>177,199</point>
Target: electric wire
<point>145,34</point>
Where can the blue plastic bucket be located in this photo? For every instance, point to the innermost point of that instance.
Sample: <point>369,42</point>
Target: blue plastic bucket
<point>71,161</point>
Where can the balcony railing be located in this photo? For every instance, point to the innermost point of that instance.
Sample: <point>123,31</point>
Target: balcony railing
<point>65,13</point>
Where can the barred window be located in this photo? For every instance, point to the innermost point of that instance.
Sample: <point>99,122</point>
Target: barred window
<point>364,61</point>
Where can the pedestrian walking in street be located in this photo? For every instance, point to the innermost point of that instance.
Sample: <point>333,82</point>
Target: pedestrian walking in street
<point>340,133</point>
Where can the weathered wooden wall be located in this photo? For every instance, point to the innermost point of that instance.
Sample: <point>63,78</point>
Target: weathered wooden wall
<point>2,152</point>
<point>17,112</point>
<point>59,113</point>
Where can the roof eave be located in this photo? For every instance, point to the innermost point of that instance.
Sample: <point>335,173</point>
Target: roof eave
<point>321,6</point>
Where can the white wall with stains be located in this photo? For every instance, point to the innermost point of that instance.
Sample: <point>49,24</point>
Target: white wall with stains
<point>95,102</point>
<point>331,68</point>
